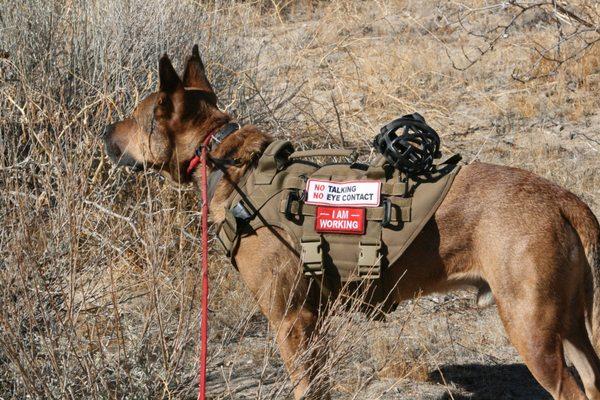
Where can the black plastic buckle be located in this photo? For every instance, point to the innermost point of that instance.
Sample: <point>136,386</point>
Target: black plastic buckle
<point>386,220</point>
<point>292,197</point>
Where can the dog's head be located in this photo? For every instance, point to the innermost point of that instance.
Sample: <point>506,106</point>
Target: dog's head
<point>166,127</point>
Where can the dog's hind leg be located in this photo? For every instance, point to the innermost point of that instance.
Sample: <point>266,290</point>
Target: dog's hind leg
<point>581,353</point>
<point>535,297</point>
<point>533,330</point>
<point>580,350</point>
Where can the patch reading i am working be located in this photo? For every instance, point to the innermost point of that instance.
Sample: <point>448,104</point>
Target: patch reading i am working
<point>348,194</point>
<point>340,220</point>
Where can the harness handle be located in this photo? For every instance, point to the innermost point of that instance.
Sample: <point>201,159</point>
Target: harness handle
<point>351,154</point>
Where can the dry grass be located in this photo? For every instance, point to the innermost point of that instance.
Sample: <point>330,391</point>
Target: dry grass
<point>98,270</point>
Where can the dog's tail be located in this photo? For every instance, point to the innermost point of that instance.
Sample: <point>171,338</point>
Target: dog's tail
<point>585,223</point>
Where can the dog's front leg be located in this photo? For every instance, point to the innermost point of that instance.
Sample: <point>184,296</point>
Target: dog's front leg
<point>273,273</point>
<point>303,354</point>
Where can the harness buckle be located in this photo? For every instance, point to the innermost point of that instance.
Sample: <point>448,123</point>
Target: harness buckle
<point>369,260</point>
<point>312,255</point>
<point>240,212</point>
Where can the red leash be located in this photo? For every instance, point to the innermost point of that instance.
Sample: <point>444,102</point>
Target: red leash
<point>204,219</point>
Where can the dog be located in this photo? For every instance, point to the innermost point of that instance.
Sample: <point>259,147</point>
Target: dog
<point>528,244</point>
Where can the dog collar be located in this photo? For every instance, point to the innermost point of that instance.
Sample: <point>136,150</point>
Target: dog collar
<point>216,139</point>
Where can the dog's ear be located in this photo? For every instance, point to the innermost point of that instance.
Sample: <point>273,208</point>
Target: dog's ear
<point>194,75</point>
<point>169,81</point>
<point>171,91</point>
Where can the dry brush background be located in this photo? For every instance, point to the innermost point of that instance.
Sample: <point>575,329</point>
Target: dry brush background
<point>99,277</point>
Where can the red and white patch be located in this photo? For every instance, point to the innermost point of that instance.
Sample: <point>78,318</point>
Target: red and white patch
<point>340,220</point>
<point>322,192</point>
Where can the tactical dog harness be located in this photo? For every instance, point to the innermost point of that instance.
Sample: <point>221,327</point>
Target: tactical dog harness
<point>343,243</point>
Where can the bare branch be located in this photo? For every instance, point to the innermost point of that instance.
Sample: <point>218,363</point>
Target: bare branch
<point>576,26</point>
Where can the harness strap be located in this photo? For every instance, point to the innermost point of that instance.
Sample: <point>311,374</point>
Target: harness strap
<point>394,188</point>
<point>227,232</point>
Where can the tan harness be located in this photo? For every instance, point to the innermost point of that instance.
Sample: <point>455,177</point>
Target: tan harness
<point>272,195</point>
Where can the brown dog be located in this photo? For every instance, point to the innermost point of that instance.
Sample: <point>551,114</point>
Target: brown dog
<point>534,245</point>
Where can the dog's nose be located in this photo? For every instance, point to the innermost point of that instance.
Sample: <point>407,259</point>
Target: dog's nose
<point>112,149</point>
<point>107,131</point>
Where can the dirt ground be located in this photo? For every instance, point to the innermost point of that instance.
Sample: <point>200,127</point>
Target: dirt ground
<point>439,347</point>
<point>98,268</point>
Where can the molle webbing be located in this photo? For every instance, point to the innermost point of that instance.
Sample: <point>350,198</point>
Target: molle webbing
<point>273,196</point>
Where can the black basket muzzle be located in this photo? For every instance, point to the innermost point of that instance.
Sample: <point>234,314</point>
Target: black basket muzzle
<point>414,150</point>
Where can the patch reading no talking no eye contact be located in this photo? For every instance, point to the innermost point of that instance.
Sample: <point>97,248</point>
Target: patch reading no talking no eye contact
<point>348,193</point>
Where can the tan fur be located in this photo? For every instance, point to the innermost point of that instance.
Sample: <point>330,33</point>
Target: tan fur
<point>524,242</point>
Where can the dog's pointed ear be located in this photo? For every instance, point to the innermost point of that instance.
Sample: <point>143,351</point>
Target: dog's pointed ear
<point>170,102</point>
<point>194,75</point>
<point>169,81</point>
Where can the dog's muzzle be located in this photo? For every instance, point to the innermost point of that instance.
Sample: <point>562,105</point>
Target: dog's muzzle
<point>116,155</point>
